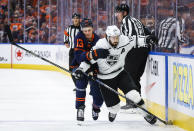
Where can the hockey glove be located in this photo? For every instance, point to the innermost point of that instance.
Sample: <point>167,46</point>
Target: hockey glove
<point>151,40</point>
<point>100,53</point>
<point>92,76</point>
<point>78,74</point>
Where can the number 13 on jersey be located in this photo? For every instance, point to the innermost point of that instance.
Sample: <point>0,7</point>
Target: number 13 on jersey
<point>80,43</point>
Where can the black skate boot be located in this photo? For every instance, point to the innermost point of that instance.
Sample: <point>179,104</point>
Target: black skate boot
<point>127,106</point>
<point>80,113</point>
<point>150,119</point>
<point>95,113</point>
<point>111,116</point>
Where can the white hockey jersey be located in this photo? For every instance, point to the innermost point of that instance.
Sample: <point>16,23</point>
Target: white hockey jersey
<point>111,66</point>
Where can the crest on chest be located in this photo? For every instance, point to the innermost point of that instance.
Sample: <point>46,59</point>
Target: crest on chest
<point>112,59</point>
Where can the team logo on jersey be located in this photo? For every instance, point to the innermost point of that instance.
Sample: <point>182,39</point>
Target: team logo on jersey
<point>112,59</point>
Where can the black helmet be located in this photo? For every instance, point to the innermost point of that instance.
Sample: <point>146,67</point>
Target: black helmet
<point>86,23</point>
<point>183,9</point>
<point>76,15</point>
<point>121,8</point>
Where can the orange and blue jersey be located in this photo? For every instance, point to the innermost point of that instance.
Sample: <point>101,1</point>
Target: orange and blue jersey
<point>82,47</point>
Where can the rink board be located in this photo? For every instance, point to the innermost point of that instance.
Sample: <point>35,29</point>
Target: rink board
<point>153,85</point>
<point>5,56</point>
<point>177,92</point>
<point>167,83</point>
<point>181,91</point>
<point>14,57</point>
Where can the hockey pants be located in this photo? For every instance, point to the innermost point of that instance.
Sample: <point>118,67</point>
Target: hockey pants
<point>94,92</point>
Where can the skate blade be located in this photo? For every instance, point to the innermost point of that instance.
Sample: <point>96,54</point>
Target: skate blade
<point>80,123</point>
<point>129,111</point>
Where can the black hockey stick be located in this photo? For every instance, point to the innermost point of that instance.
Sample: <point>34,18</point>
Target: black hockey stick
<point>131,102</point>
<point>7,29</point>
<point>134,104</point>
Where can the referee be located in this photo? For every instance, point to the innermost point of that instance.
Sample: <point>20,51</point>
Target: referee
<point>171,31</point>
<point>136,59</point>
<point>69,35</point>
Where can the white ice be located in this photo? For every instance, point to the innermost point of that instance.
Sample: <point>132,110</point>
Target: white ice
<point>32,100</point>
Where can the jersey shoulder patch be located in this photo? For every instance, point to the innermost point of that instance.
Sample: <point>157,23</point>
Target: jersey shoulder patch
<point>125,39</point>
<point>102,43</point>
<point>131,38</point>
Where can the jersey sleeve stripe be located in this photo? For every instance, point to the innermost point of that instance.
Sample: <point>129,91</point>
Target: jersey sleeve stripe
<point>65,32</point>
<point>76,49</point>
<point>95,53</point>
<point>87,56</point>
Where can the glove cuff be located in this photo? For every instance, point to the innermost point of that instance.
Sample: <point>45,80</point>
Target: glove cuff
<point>84,66</point>
<point>94,54</point>
<point>88,56</point>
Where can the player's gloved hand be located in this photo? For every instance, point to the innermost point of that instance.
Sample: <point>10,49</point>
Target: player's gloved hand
<point>100,53</point>
<point>78,74</point>
<point>93,75</point>
<point>151,40</point>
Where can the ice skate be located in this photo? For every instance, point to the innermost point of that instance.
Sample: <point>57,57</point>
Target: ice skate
<point>80,113</point>
<point>111,116</point>
<point>127,106</point>
<point>95,113</point>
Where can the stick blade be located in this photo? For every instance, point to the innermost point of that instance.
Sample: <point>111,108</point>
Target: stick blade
<point>170,122</point>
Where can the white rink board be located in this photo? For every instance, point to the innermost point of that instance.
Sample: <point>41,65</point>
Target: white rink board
<point>5,53</point>
<point>153,80</point>
<point>180,84</point>
<point>55,53</point>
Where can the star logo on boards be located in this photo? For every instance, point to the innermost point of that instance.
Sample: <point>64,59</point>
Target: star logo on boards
<point>18,54</point>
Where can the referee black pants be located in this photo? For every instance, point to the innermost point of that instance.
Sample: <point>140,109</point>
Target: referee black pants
<point>71,57</point>
<point>135,63</point>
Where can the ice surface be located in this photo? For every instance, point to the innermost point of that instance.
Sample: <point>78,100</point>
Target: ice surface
<point>32,100</point>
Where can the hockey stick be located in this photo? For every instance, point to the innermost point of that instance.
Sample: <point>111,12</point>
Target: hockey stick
<point>131,102</point>
<point>134,104</point>
<point>7,29</point>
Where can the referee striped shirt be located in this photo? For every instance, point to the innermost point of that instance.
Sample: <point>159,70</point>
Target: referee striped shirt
<point>167,31</point>
<point>131,26</point>
<point>70,34</point>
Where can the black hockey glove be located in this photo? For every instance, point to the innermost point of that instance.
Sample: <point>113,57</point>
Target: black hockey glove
<point>100,53</point>
<point>151,40</point>
<point>93,76</point>
<point>78,74</point>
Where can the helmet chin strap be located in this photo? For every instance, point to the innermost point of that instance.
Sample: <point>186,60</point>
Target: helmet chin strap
<point>107,38</point>
<point>123,12</point>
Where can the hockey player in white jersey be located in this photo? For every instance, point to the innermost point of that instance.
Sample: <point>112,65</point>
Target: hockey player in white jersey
<point>111,69</point>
